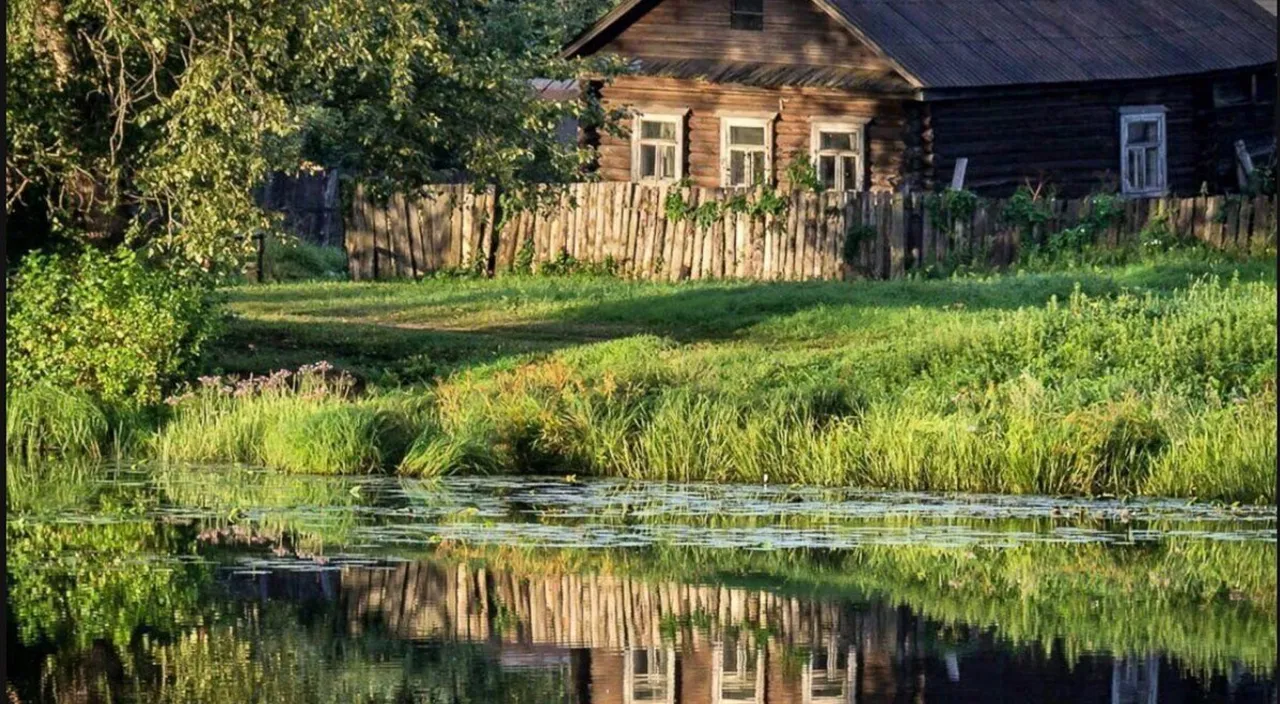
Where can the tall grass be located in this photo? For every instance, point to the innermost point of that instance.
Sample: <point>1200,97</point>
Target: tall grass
<point>301,422</point>
<point>1120,392</point>
<point>42,420</point>
<point>1125,394</point>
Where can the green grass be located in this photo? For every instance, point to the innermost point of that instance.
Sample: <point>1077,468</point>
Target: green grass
<point>43,419</point>
<point>1152,378</point>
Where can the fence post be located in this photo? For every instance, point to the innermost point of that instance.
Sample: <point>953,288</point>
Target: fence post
<point>261,238</point>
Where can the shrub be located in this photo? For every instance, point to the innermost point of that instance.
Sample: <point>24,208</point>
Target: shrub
<point>301,261</point>
<point>108,324</point>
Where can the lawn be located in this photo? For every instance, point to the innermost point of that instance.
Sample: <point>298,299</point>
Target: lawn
<point>1152,378</point>
<point>1155,378</point>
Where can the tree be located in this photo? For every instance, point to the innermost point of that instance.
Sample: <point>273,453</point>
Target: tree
<point>147,122</point>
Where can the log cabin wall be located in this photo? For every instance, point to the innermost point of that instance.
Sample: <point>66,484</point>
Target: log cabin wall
<point>886,132</point>
<point>1071,135</point>
<point>1228,113</point>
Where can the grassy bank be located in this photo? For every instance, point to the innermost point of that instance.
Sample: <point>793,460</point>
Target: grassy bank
<point>1155,378</point>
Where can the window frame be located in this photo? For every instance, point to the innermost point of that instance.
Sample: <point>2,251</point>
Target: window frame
<point>637,141</point>
<point>855,126</point>
<point>729,121</point>
<point>1145,113</point>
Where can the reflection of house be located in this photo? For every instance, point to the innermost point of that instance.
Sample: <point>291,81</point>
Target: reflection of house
<point>628,641</point>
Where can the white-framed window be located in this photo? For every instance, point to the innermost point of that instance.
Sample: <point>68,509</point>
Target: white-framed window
<point>839,153</point>
<point>1143,150</point>
<point>746,151</point>
<point>657,147</point>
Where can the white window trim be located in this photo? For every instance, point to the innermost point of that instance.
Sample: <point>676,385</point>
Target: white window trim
<point>727,121</point>
<point>857,126</point>
<point>1144,113</point>
<point>679,119</point>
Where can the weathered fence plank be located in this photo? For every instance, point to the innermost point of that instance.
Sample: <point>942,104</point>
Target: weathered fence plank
<point>455,225</point>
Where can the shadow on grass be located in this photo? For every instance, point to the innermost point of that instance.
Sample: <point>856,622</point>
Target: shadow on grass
<point>415,331</point>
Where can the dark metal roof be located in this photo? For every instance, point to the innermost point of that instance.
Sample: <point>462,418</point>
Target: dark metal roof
<point>941,44</point>
<point>967,43</point>
<point>764,75</point>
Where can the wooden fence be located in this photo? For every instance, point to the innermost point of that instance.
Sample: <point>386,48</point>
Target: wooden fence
<point>832,235</point>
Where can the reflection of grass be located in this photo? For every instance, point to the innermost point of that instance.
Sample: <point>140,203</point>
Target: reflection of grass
<point>79,582</point>
<point>1206,602</point>
<point>275,653</point>
<point>310,512</point>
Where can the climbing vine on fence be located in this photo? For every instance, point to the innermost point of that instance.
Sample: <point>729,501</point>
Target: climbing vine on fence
<point>945,208</point>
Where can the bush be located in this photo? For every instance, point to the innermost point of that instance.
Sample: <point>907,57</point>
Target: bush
<point>300,261</point>
<point>108,324</point>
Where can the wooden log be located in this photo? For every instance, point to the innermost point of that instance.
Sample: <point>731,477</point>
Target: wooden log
<point>413,232</point>
<point>1231,227</point>
<point>1243,232</point>
<point>690,233</point>
<point>626,235</point>
<point>1263,223</point>
<point>928,241</point>
<point>719,242</point>
<point>795,225</point>
<point>755,239</point>
<point>666,266</point>
<point>1200,224</point>
<point>356,241</point>
<point>898,243</point>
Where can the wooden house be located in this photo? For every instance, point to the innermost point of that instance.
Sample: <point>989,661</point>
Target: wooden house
<point>1146,96</point>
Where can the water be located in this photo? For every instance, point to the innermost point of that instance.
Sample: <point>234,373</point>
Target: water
<point>194,584</point>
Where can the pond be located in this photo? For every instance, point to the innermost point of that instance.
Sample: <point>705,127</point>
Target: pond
<point>187,584</point>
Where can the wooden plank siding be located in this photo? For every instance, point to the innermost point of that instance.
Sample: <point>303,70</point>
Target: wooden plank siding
<point>795,32</point>
<point>796,109</point>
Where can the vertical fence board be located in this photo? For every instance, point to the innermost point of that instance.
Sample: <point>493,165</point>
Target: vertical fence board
<point>454,225</point>
<point>898,243</point>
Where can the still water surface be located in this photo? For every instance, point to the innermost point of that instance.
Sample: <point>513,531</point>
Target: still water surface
<point>194,584</point>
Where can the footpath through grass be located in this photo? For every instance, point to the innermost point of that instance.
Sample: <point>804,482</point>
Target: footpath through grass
<point>1157,378</point>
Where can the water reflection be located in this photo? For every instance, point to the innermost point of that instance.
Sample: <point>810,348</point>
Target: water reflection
<point>618,640</point>
<point>231,587</point>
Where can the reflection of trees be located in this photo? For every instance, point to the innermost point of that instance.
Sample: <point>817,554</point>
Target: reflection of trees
<point>453,633</point>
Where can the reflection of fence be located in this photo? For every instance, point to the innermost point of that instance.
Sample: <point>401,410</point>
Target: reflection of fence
<point>600,611</point>
<point>830,235</point>
<point>635,642</point>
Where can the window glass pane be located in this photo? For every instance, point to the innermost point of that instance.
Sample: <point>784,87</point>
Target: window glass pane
<point>1234,90</point>
<point>746,136</point>
<point>1133,167</point>
<point>1266,92</point>
<point>1152,163</point>
<point>827,171</point>
<point>648,160</point>
<point>737,168</point>
<point>652,129</point>
<point>835,140</point>
<point>1144,131</point>
<point>757,168</point>
<point>747,14</point>
<point>668,162</point>
<point>849,172</point>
